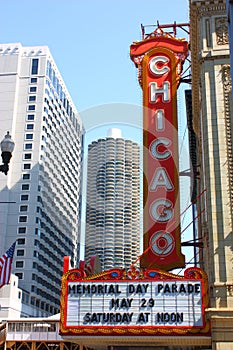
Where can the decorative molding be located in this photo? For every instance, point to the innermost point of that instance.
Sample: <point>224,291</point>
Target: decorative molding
<point>199,9</point>
<point>230,290</point>
<point>221,28</point>
<point>226,78</point>
<point>210,8</point>
<point>194,35</point>
<point>227,92</point>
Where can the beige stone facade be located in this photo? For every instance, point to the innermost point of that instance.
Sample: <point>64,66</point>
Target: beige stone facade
<point>213,123</point>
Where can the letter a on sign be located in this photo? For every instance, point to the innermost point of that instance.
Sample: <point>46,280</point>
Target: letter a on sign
<point>159,59</point>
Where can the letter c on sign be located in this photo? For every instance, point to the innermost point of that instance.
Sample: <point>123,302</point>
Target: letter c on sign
<point>154,65</point>
<point>162,141</point>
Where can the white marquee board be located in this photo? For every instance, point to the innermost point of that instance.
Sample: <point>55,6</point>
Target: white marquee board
<point>135,303</point>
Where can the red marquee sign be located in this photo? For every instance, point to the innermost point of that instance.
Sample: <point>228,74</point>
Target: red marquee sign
<point>159,60</point>
<point>131,302</point>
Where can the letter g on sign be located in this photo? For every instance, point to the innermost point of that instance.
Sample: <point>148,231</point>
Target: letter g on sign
<point>161,210</point>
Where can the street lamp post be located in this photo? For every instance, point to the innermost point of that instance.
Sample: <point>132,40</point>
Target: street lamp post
<point>7,147</point>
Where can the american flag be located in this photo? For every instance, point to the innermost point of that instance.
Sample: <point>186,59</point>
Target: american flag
<point>5,265</point>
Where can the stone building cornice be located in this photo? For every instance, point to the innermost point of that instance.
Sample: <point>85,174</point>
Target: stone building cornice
<point>199,9</point>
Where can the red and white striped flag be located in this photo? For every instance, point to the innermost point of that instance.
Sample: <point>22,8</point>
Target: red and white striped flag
<point>5,265</point>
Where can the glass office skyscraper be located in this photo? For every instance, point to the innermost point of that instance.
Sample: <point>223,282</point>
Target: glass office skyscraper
<point>41,192</point>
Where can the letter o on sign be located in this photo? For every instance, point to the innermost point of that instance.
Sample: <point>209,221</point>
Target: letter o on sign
<point>162,243</point>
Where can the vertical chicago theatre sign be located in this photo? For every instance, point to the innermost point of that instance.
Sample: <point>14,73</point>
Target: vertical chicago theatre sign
<point>159,60</point>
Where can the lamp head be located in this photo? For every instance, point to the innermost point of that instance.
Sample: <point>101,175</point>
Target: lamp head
<point>7,147</point>
<point>7,144</point>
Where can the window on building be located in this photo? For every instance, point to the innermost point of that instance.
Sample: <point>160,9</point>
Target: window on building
<point>22,230</point>
<point>33,80</point>
<point>37,232</point>
<point>21,241</point>
<point>20,252</point>
<point>27,156</point>
<point>29,136</point>
<point>29,126</point>
<point>35,64</point>
<point>32,98</point>
<point>23,208</point>
<point>24,197</point>
<point>23,218</point>
<point>25,297</point>
<point>30,117</point>
<point>25,187</point>
<point>36,243</point>
<point>28,146</point>
<point>31,107</point>
<point>39,199</point>
<point>32,89</point>
<point>27,166</point>
<point>19,275</point>
<point>19,264</point>
<point>26,176</point>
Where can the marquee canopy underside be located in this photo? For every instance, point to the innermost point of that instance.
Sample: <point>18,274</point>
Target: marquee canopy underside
<point>100,342</point>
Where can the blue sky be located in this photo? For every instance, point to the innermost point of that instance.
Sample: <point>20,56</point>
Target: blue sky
<point>90,42</point>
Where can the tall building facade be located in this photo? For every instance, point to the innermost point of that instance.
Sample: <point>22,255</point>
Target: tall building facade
<point>213,125</point>
<point>40,196</point>
<point>113,201</point>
